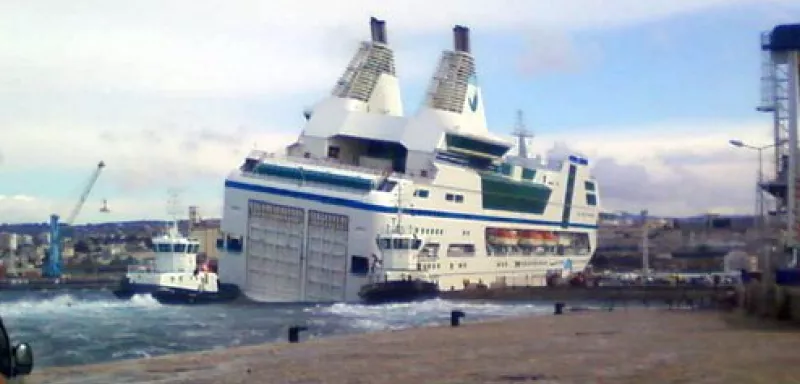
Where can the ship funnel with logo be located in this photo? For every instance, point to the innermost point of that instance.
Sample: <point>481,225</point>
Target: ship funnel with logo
<point>454,91</point>
<point>369,79</point>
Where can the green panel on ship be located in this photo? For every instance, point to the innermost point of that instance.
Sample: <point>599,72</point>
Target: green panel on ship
<point>477,146</point>
<point>528,174</point>
<point>504,194</point>
<point>315,176</point>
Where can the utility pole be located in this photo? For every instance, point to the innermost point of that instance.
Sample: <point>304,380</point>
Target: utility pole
<point>765,261</point>
<point>645,246</point>
<point>760,224</point>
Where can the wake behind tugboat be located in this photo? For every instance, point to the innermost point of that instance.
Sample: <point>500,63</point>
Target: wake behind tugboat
<point>94,327</point>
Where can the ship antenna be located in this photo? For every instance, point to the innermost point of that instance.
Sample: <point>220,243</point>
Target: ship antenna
<point>173,210</point>
<point>522,133</point>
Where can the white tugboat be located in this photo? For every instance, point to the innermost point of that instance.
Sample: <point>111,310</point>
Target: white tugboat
<point>175,276</point>
<point>395,275</point>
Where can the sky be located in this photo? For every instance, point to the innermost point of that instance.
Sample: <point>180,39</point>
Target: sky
<point>173,94</point>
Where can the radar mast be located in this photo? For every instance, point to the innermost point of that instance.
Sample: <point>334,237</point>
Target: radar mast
<point>522,134</point>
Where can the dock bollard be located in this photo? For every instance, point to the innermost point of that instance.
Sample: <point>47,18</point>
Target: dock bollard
<point>294,333</point>
<point>558,308</point>
<point>455,318</point>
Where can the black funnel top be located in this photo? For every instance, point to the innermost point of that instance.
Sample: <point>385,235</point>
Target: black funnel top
<point>785,37</point>
<point>461,38</point>
<point>378,30</point>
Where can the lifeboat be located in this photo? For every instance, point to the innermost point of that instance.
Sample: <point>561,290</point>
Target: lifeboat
<point>550,238</point>
<point>499,236</point>
<point>531,238</point>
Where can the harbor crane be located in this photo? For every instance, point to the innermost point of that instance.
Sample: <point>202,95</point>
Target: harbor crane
<point>52,267</point>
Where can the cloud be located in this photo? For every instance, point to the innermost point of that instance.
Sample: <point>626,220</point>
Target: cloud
<point>174,93</point>
<point>23,208</point>
<point>674,168</point>
<point>142,158</point>
<point>32,209</point>
<point>217,48</point>
<point>681,171</point>
<point>552,51</point>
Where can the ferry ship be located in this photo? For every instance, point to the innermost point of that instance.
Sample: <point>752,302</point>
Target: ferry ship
<point>367,195</point>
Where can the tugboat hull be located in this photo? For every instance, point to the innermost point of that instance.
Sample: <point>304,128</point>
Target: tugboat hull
<point>401,291</point>
<point>178,296</point>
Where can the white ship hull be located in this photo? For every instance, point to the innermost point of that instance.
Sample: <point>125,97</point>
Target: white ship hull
<point>281,261</point>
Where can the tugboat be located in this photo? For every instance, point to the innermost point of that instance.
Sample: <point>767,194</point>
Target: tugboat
<point>397,277</point>
<point>175,277</point>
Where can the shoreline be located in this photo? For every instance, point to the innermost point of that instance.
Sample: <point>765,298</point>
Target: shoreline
<point>37,284</point>
<point>632,345</point>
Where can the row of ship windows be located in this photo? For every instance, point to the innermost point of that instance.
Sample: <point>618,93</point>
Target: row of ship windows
<point>360,265</point>
<point>454,197</point>
<point>176,248</point>
<point>428,231</point>
<point>436,231</point>
<point>502,264</point>
<point>587,185</point>
<point>432,266</point>
<point>591,198</point>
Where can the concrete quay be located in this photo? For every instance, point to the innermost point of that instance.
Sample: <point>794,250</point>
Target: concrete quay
<point>652,294</point>
<point>624,346</point>
<point>770,301</point>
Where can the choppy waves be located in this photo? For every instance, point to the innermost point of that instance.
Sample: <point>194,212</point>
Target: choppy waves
<point>91,327</point>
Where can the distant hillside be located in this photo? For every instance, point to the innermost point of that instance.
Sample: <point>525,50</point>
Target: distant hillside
<point>124,226</point>
<point>148,225</point>
<point>697,218</point>
<point>689,222</point>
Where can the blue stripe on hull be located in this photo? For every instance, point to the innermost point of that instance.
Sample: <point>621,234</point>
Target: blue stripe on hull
<point>385,209</point>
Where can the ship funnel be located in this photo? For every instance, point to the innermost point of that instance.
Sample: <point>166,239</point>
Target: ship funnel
<point>461,39</point>
<point>378,29</point>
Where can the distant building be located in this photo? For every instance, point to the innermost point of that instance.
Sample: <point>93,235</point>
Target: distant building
<point>25,240</point>
<point>738,260</point>
<point>208,240</point>
<point>68,251</point>
<point>44,237</point>
<point>8,241</point>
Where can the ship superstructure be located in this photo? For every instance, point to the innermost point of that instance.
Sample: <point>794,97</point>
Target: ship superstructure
<point>368,194</point>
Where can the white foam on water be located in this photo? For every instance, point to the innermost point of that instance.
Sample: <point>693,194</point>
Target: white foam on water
<point>69,305</point>
<point>74,328</point>
<point>431,312</point>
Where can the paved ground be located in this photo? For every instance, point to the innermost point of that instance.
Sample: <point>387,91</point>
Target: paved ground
<point>624,346</point>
